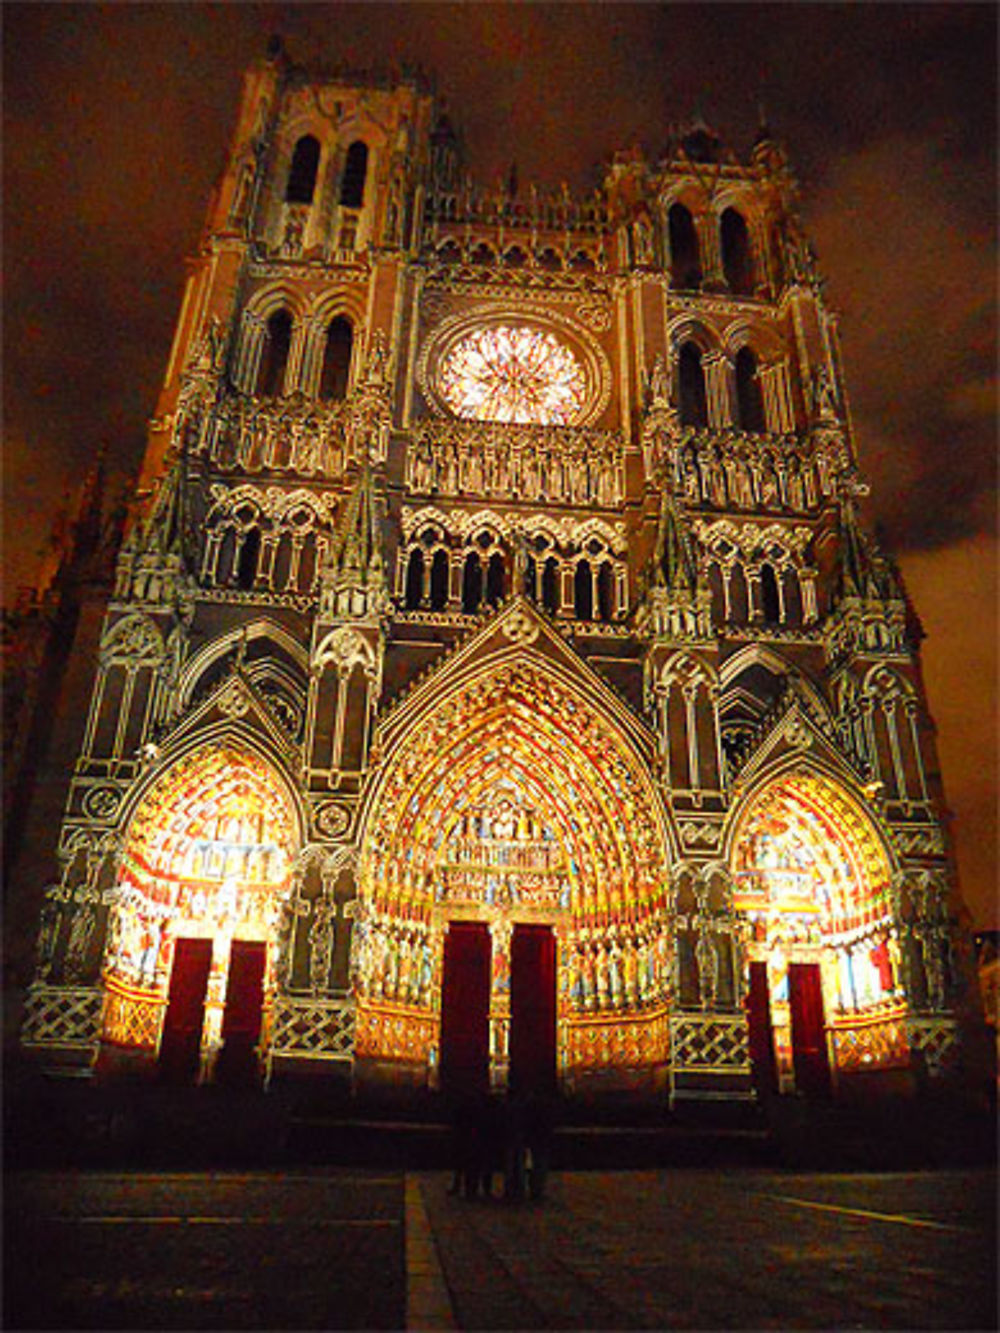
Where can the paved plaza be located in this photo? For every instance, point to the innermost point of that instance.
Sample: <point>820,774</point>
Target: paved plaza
<point>659,1249</point>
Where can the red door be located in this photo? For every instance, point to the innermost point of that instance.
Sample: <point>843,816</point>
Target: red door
<point>180,1044</point>
<point>238,1064</point>
<point>533,1010</point>
<point>809,1054</point>
<point>465,1009</point>
<point>762,1061</point>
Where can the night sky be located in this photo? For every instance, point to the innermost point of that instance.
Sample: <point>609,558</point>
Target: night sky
<point>117,119</point>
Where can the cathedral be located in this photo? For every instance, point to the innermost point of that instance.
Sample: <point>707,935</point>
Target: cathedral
<point>498,687</point>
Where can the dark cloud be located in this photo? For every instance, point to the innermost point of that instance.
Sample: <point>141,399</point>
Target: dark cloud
<point>117,119</point>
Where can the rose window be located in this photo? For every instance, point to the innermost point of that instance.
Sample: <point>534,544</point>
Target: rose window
<point>520,374</point>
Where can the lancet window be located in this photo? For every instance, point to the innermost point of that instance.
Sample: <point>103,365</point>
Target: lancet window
<point>337,350</point>
<point>352,184</point>
<point>685,263</point>
<point>749,400</point>
<point>737,259</point>
<point>274,355</point>
<point>692,397</point>
<point>251,546</point>
<point>302,172</point>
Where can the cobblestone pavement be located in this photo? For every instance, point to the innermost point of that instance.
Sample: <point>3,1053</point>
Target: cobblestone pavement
<point>717,1250</point>
<point>350,1249</point>
<point>317,1250</point>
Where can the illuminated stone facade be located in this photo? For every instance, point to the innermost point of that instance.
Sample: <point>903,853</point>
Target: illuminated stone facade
<point>497,562</point>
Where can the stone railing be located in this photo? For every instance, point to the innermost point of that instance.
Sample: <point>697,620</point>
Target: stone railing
<point>558,464</point>
<point>532,209</point>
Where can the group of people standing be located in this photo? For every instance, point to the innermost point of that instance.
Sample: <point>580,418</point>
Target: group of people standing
<point>501,1135</point>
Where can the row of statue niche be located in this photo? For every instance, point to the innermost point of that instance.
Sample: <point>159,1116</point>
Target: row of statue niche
<point>302,438</point>
<point>497,468</point>
<point>539,855</point>
<point>710,474</point>
<point>619,974</point>
<point>536,887</point>
<point>392,964</point>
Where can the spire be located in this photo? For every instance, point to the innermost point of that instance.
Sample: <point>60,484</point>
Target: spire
<point>163,530</point>
<point>673,563</point>
<point>858,574</point>
<point>353,578</point>
<point>676,606</point>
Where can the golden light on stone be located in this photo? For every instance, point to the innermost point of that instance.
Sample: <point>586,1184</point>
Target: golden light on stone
<point>515,374</point>
<point>207,856</point>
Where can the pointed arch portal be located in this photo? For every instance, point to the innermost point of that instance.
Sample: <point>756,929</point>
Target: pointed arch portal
<point>516,804</point>
<point>811,878</point>
<point>187,960</point>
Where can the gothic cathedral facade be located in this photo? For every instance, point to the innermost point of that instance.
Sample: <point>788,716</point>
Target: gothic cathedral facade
<point>498,687</point>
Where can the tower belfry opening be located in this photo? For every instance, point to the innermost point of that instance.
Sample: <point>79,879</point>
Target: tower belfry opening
<point>498,688</point>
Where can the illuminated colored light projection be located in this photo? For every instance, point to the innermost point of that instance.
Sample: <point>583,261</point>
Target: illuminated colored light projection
<point>207,856</point>
<point>811,873</point>
<point>514,374</point>
<point>516,800</point>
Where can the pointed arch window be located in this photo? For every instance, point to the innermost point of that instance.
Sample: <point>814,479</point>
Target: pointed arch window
<point>274,358</point>
<point>531,578</point>
<point>583,591</point>
<point>770,598</point>
<point>605,591</point>
<point>472,584</point>
<point>302,172</point>
<point>737,262</point>
<point>439,581</point>
<point>352,185</point>
<point>495,579</point>
<point>336,372</point>
<point>691,396</point>
<point>550,585</point>
<point>414,580</point>
<point>685,261</point>
<point>749,403</point>
<point>249,558</point>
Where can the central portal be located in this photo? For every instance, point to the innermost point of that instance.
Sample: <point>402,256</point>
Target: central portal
<point>533,1010</point>
<point>474,981</point>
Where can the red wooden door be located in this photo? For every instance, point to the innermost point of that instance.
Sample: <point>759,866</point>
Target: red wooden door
<point>465,1009</point>
<point>809,1054</point>
<point>762,1061</point>
<point>180,1043</point>
<point>238,1064</point>
<point>533,1010</point>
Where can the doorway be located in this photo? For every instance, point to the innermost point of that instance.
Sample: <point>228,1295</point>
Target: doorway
<point>238,1064</point>
<point>533,1010</point>
<point>787,1029</point>
<point>810,1058</point>
<point>465,1010</point>
<point>180,1044</point>
<point>763,1066</point>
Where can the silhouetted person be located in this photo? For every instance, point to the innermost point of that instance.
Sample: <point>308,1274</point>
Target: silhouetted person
<point>491,1140</point>
<point>464,1151</point>
<point>514,1144</point>
<point>539,1125</point>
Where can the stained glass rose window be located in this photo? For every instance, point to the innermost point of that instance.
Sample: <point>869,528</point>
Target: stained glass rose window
<point>515,373</point>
